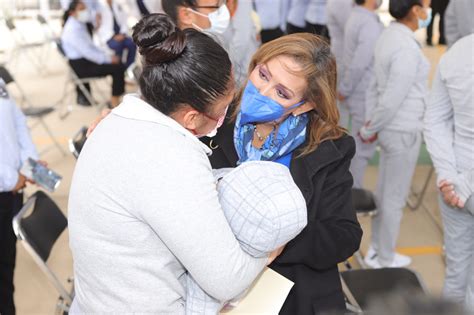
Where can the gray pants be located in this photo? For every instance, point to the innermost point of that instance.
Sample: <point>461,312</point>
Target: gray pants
<point>364,151</point>
<point>398,157</point>
<point>343,114</point>
<point>459,244</point>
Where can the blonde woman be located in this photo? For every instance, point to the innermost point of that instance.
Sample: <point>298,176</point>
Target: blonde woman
<point>288,115</point>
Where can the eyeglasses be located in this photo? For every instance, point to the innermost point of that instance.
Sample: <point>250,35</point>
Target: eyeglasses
<point>221,3</point>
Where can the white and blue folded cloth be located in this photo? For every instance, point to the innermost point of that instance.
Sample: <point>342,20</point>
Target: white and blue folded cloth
<point>265,210</point>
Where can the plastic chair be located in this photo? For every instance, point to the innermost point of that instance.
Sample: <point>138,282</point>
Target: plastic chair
<point>38,232</point>
<point>362,285</point>
<point>30,111</point>
<point>77,142</point>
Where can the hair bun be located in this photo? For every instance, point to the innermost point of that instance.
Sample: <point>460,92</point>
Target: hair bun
<point>158,39</point>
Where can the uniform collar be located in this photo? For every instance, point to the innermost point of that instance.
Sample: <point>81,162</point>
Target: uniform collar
<point>365,11</point>
<point>402,28</point>
<point>133,107</point>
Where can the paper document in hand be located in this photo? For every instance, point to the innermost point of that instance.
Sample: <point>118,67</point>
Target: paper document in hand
<point>266,296</point>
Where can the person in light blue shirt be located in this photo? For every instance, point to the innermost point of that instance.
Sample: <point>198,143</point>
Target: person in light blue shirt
<point>271,13</point>
<point>316,18</point>
<point>296,21</point>
<point>361,33</point>
<point>15,147</point>
<point>88,60</point>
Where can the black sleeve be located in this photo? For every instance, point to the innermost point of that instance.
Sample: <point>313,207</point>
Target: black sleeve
<point>335,234</point>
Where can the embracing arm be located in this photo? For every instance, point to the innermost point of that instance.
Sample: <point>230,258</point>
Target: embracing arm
<point>191,223</point>
<point>335,234</point>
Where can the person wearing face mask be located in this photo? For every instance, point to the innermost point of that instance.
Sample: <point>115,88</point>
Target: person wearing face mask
<point>361,33</point>
<point>395,107</point>
<point>209,16</point>
<point>142,220</point>
<point>86,59</point>
<point>237,35</point>
<point>288,115</point>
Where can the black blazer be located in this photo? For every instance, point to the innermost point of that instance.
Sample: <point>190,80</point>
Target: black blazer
<point>333,233</point>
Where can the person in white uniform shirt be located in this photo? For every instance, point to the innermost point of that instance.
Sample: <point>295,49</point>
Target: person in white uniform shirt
<point>16,147</point>
<point>138,223</point>
<point>241,37</point>
<point>271,13</point>
<point>449,136</point>
<point>84,56</point>
<point>316,18</point>
<point>338,12</point>
<point>458,21</point>
<point>296,22</point>
<point>361,33</point>
<point>395,109</point>
<point>113,31</point>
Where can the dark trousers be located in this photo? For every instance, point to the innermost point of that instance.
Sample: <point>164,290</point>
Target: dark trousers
<point>88,69</point>
<point>292,29</point>
<point>10,204</point>
<point>119,47</point>
<point>439,7</point>
<point>271,34</point>
<point>318,29</point>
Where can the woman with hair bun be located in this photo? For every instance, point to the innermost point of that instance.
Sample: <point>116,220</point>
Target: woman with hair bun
<point>143,205</point>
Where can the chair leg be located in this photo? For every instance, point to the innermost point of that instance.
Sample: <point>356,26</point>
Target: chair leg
<point>416,203</point>
<point>360,259</point>
<point>55,142</point>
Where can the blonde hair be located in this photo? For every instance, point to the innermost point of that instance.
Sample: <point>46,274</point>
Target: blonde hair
<point>318,67</point>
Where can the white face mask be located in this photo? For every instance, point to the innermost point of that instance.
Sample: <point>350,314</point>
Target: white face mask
<point>219,20</point>
<point>83,16</point>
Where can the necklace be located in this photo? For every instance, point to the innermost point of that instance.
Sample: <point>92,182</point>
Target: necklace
<point>259,135</point>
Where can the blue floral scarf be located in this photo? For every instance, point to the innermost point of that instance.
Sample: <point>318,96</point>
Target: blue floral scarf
<point>291,134</point>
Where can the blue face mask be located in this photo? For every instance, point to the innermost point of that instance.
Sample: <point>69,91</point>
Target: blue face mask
<point>256,107</point>
<point>426,23</point>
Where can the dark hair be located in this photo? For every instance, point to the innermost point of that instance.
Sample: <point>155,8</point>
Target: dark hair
<point>171,7</point>
<point>399,9</point>
<point>180,67</point>
<point>359,2</point>
<point>72,7</point>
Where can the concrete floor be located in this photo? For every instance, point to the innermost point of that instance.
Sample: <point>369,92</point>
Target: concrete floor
<point>420,235</point>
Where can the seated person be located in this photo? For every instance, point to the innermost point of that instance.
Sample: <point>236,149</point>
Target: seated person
<point>113,31</point>
<point>265,210</point>
<point>86,59</point>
